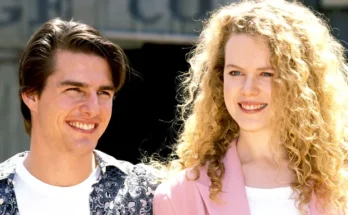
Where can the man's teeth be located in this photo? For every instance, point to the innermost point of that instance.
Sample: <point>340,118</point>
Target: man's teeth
<point>253,107</point>
<point>83,126</point>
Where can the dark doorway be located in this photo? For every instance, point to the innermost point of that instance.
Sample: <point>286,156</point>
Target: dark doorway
<point>144,110</point>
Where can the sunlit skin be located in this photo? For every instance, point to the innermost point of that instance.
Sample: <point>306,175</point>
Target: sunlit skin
<point>248,82</point>
<point>248,78</point>
<point>69,117</point>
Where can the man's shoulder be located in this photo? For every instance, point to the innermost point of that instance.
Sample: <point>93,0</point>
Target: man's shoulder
<point>139,184</point>
<point>131,171</point>
<point>136,196</point>
<point>8,167</point>
<point>143,175</point>
<point>105,160</point>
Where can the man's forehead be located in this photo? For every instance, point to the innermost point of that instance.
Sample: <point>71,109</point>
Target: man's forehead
<point>80,67</point>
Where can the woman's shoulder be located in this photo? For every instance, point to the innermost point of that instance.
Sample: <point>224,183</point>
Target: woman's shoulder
<point>179,194</point>
<point>172,182</point>
<point>181,182</point>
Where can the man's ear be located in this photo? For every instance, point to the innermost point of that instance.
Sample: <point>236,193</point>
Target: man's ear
<point>31,100</point>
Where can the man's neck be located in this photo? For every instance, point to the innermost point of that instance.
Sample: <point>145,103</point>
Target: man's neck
<point>59,169</point>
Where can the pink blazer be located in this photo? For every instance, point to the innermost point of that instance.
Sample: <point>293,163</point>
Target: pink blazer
<point>180,196</point>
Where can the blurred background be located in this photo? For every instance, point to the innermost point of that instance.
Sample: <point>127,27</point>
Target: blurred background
<point>156,36</point>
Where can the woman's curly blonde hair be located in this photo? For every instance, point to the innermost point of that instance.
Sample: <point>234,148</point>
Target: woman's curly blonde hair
<point>309,92</point>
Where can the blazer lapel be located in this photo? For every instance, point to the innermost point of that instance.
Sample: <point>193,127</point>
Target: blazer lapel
<point>313,207</point>
<point>233,196</point>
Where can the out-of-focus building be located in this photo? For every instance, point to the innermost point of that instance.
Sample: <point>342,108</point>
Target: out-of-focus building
<point>131,24</point>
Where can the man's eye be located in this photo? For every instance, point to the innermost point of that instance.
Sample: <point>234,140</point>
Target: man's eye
<point>74,89</point>
<point>104,93</point>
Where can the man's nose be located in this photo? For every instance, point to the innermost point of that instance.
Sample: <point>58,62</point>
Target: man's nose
<point>91,106</point>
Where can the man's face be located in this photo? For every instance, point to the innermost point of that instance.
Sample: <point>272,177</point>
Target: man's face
<point>75,106</point>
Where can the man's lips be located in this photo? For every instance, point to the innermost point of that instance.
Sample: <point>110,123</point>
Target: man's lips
<point>83,126</point>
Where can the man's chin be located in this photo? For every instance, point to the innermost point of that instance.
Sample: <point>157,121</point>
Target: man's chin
<point>83,145</point>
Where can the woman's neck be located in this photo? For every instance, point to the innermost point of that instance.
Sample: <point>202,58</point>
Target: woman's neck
<point>260,145</point>
<point>264,162</point>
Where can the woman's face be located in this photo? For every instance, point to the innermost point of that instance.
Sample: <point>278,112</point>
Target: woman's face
<point>248,77</point>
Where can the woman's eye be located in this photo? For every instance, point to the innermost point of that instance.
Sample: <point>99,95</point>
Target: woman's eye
<point>267,74</point>
<point>235,73</point>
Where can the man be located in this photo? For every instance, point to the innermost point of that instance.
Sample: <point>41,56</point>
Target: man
<point>68,76</point>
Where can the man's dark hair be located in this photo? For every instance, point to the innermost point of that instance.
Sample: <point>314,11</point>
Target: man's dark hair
<point>37,60</point>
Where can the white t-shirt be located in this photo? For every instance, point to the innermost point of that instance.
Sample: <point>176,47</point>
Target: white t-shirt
<point>273,201</point>
<point>35,197</point>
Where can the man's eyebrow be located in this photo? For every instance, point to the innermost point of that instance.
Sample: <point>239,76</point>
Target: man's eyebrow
<point>84,85</point>
<point>107,88</point>
<point>72,83</point>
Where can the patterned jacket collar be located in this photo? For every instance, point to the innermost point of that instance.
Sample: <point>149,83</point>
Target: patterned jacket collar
<point>8,167</point>
<point>122,188</point>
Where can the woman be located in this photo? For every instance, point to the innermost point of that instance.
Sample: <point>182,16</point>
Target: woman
<point>266,117</point>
